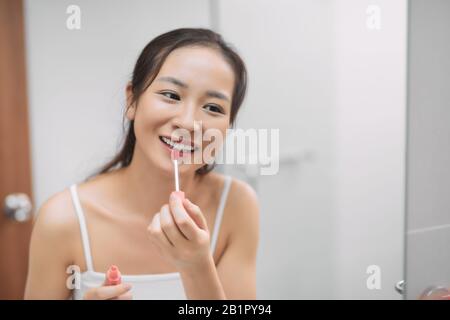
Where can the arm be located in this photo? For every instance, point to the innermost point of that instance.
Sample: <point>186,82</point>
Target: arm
<point>52,249</point>
<point>235,275</point>
<point>237,266</point>
<point>50,252</point>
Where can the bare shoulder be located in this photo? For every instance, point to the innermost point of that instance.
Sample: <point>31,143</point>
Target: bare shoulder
<point>237,265</point>
<point>240,191</point>
<point>242,195</point>
<point>56,221</point>
<point>242,206</point>
<point>51,248</point>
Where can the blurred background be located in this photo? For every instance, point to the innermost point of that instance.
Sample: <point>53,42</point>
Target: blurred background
<point>357,88</point>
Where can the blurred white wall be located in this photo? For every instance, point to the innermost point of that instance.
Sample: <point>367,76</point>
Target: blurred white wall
<point>370,120</point>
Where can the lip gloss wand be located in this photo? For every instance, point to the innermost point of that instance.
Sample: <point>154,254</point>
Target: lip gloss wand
<point>175,155</point>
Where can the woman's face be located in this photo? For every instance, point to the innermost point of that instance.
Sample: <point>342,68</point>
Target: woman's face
<point>190,95</point>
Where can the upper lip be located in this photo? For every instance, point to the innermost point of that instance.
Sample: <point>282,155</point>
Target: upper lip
<point>180,140</point>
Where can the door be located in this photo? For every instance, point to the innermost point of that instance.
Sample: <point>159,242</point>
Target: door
<point>428,176</point>
<point>15,169</point>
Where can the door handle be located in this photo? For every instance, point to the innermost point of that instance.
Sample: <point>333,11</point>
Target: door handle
<point>400,286</point>
<point>17,206</point>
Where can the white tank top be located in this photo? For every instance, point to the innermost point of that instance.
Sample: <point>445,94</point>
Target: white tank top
<point>161,286</point>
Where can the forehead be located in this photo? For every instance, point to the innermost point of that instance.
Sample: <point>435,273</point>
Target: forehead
<point>199,67</point>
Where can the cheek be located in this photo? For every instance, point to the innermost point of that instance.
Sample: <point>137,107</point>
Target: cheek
<point>151,113</point>
<point>151,106</point>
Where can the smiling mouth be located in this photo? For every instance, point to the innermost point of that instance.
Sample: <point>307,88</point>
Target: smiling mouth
<point>183,148</point>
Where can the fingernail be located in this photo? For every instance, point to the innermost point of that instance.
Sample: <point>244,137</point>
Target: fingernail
<point>177,195</point>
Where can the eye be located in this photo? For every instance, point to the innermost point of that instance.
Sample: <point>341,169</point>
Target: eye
<point>170,95</point>
<point>214,108</point>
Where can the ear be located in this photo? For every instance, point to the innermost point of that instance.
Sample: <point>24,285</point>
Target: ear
<point>131,109</point>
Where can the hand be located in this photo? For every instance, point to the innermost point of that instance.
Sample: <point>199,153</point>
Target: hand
<point>435,293</point>
<point>108,292</point>
<point>181,234</point>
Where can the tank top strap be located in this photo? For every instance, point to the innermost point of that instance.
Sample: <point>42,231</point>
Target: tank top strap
<point>83,227</point>
<point>219,214</point>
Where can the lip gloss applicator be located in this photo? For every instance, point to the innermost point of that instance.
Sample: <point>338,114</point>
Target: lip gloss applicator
<point>113,276</point>
<point>175,155</point>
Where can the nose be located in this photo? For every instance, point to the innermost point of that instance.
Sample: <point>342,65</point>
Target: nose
<point>185,118</point>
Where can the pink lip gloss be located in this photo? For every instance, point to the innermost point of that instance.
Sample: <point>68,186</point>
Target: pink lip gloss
<point>113,276</point>
<point>175,155</point>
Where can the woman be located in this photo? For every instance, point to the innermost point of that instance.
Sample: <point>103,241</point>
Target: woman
<point>186,80</point>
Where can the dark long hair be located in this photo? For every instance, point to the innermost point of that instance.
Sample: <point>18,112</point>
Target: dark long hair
<point>150,62</point>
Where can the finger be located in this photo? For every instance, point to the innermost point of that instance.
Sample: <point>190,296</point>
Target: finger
<point>196,214</point>
<point>182,219</point>
<point>170,228</point>
<point>108,292</point>
<point>125,296</point>
<point>158,234</point>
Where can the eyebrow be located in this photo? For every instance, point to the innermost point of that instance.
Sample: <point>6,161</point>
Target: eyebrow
<point>209,93</point>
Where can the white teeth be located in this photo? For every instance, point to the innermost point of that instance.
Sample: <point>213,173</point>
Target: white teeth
<point>178,146</point>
